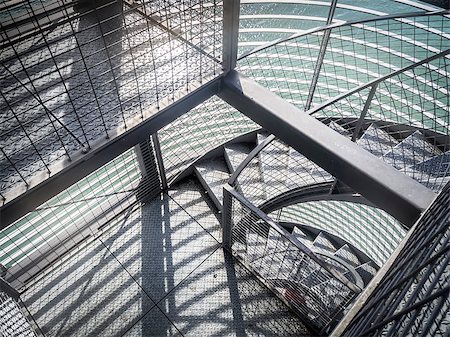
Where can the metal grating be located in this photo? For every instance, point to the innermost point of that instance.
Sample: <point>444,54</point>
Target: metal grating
<point>413,297</point>
<point>311,286</point>
<point>44,235</point>
<point>73,73</point>
<point>205,127</point>
<point>13,322</point>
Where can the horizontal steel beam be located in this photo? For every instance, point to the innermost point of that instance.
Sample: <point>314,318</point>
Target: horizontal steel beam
<point>66,173</point>
<point>380,183</point>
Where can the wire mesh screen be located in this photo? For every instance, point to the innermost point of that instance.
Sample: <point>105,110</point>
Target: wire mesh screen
<point>45,234</point>
<point>413,298</point>
<point>404,120</point>
<point>277,169</point>
<point>287,267</point>
<point>352,55</point>
<point>13,321</point>
<point>76,72</point>
<point>369,229</point>
<point>205,127</point>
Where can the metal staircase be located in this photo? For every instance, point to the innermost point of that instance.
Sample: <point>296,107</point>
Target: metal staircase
<point>308,267</point>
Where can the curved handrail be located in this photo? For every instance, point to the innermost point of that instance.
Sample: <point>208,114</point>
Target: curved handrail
<point>376,81</point>
<point>358,280</point>
<point>339,25</point>
<point>248,159</point>
<point>280,230</point>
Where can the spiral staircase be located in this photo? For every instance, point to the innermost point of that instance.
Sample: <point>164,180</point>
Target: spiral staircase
<point>308,267</point>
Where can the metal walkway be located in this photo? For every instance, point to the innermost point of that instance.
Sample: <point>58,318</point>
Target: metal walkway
<point>159,272</point>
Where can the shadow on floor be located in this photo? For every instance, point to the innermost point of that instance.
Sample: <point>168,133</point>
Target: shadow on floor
<point>157,272</point>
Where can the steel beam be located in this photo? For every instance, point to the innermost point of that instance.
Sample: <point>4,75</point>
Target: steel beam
<point>230,34</point>
<point>380,183</point>
<point>65,173</point>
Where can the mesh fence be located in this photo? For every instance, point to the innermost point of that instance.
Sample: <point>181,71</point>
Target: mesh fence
<point>413,297</point>
<point>369,229</point>
<point>353,55</point>
<point>209,125</point>
<point>290,269</point>
<point>277,169</point>
<point>73,73</point>
<point>47,233</point>
<point>404,120</point>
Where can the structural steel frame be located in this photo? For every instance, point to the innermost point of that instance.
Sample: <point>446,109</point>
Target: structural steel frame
<point>379,183</point>
<point>67,172</point>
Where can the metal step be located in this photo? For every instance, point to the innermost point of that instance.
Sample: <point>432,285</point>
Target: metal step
<point>377,141</point>
<point>274,162</point>
<point>340,129</point>
<point>213,174</point>
<point>322,243</point>
<point>434,173</point>
<point>412,150</point>
<point>236,153</point>
<point>346,254</point>
<point>302,172</point>
<point>301,236</point>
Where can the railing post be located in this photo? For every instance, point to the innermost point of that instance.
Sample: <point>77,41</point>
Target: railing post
<point>230,34</point>
<point>159,160</point>
<point>320,57</point>
<point>360,122</point>
<point>226,218</point>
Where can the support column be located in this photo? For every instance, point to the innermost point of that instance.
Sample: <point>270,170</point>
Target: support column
<point>230,34</point>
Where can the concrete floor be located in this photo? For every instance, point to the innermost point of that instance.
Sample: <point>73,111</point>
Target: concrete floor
<point>159,272</point>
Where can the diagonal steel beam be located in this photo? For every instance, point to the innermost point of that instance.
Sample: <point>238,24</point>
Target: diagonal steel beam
<point>380,183</point>
<point>65,173</point>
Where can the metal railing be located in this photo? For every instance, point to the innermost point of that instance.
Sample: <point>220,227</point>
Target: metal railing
<point>311,67</point>
<point>272,169</point>
<point>397,86</point>
<point>13,318</point>
<point>412,299</point>
<point>312,287</point>
<point>73,73</point>
<point>402,117</point>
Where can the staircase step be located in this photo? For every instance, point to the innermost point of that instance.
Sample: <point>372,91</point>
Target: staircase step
<point>274,161</point>
<point>434,173</point>
<point>301,236</point>
<point>377,141</point>
<point>412,150</point>
<point>213,174</point>
<point>302,172</point>
<point>340,129</point>
<point>367,271</point>
<point>322,243</point>
<point>236,153</point>
<point>346,254</point>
